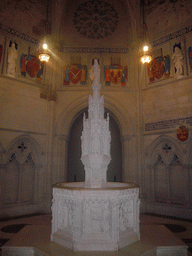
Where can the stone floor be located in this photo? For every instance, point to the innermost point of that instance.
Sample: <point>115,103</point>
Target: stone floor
<point>18,230</point>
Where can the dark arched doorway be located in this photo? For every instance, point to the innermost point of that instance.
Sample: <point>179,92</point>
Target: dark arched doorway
<point>75,167</point>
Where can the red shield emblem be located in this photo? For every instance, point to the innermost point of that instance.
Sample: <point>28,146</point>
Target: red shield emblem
<point>33,67</point>
<point>158,69</point>
<point>75,75</point>
<point>116,75</point>
<point>182,133</point>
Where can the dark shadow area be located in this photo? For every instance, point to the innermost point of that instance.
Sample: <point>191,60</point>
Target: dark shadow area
<point>13,228</point>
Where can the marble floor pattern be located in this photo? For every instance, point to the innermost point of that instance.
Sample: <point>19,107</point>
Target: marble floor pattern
<point>180,228</point>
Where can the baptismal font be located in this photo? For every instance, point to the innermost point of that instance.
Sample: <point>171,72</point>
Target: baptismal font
<point>95,215</point>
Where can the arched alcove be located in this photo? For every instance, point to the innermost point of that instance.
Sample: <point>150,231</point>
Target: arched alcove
<point>67,118</point>
<point>75,168</point>
<point>21,173</point>
<point>167,175</point>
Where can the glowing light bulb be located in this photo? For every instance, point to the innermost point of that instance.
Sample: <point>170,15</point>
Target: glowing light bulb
<point>145,48</point>
<point>45,46</point>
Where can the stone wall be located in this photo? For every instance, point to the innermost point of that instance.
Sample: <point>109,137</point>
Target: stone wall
<point>39,106</point>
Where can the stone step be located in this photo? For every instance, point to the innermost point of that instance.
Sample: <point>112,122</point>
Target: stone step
<point>163,239</point>
<point>35,241</point>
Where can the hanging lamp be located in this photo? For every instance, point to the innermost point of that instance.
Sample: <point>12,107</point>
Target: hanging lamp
<point>44,51</point>
<point>146,51</point>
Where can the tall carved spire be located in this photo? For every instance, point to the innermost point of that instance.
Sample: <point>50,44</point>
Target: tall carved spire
<point>96,137</point>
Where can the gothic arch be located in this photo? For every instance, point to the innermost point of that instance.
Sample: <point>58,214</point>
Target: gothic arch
<point>150,152</point>
<point>35,148</point>
<point>70,113</point>
<point>166,171</point>
<point>128,11</point>
<point>66,120</point>
<point>75,170</point>
<point>22,179</point>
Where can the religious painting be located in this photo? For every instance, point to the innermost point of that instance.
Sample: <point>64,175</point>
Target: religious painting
<point>74,74</point>
<point>159,68</point>
<point>31,65</point>
<point>115,74</point>
<point>182,133</point>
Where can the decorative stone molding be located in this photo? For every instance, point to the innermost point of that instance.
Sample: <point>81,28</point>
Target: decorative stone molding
<point>171,36</point>
<point>95,19</point>
<point>96,137</point>
<point>21,177</point>
<point>95,219</point>
<point>18,34</point>
<point>167,124</point>
<point>168,173</point>
<point>94,50</point>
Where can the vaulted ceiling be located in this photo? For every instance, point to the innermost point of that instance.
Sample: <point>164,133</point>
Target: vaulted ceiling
<point>95,20</point>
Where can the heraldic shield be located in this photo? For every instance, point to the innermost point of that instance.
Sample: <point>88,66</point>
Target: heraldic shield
<point>75,75</point>
<point>182,133</point>
<point>33,66</point>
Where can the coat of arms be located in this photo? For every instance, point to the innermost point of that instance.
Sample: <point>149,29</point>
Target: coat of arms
<point>158,67</point>
<point>116,74</point>
<point>182,133</point>
<point>75,74</point>
<point>30,64</point>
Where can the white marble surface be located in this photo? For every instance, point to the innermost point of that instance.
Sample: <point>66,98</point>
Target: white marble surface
<point>96,137</point>
<point>85,219</point>
<point>95,215</point>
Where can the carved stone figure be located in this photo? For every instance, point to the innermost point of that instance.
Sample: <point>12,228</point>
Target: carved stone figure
<point>178,61</point>
<point>12,57</point>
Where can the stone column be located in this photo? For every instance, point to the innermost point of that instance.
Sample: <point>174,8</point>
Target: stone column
<point>50,82</point>
<point>139,142</point>
<point>128,152</point>
<point>60,159</point>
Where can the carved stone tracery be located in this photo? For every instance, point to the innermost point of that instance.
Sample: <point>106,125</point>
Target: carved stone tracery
<point>106,217</point>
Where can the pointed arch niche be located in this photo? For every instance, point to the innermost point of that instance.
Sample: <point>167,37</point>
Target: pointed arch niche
<point>168,178</point>
<point>22,181</point>
<point>75,168</point>
<point>66,129</point>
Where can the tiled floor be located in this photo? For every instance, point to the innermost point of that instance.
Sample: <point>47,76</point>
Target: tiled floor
<point>182,229</point>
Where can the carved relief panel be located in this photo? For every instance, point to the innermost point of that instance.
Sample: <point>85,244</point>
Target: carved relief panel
<point>169,177</point>
<point>19,181</point>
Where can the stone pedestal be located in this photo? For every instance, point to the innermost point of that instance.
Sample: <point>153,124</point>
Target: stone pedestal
<point>104,219</point>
